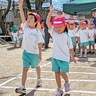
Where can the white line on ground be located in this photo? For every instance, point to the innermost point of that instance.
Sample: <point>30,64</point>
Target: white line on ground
<point>72,80</point>
<point>48,89</point>
<point>90,73</point>
<point>19,76</point>
<point>79,67</point>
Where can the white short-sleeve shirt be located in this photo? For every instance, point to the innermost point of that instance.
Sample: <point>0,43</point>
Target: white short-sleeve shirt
<point>71,33</point>
<point>83,34</point>
<point>15,36</point>
<point>31,38</point>
<point>91,35</point>
<point>61,45</point>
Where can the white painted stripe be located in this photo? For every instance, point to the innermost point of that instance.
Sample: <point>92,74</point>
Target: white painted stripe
<point>40,66</point>
<point>83,67</point>
<point>85,92</point>
<point>19,76</point>
<point>10,80</point>
<point>48,89</point>
<point>79,67</point>
<point>72,80</point>
<point>90,73</point>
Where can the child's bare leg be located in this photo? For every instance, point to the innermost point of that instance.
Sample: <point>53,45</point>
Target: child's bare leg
<point>20,44</point>
<point>92,49</point>
<point>58,79</point>
<point>89,48</point>
<point>64,76</point>
<point>24,75</point>
<point>38,70</point>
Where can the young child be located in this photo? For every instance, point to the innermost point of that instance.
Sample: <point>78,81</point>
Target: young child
<point>91,38</point>
<point>72,32</point>
<point>32,45</point>
<point>14,35</point>
<point>83,35</point>
<point>62,48</point>
<point>20,35</point>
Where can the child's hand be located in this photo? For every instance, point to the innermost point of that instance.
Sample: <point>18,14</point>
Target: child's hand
<point>74,60</point>
<point>20,3</point>
<point>51,8</point>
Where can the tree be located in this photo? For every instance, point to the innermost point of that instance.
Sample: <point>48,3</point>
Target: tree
<point>38,7</point>
<point>4,16</point>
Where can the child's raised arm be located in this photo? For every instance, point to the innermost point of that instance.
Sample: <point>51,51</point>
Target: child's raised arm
<point>20,3</point>
<point>49,17</point>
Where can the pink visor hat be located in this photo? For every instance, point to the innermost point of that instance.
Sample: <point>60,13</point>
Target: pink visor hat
<point>37,15</point>
<point>82,23</point>
<point>58,21</point>
<point>91,24</point>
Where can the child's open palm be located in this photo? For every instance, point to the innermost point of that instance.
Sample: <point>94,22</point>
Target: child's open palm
<point>51,8</point>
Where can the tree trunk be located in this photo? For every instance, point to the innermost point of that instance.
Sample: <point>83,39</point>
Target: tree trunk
<point>4,16</point>
<point>28,4</point>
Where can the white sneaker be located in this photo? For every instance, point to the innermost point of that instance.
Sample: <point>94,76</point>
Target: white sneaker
<point>67,87</point>
<point>39,82</point>
<point>85,56</point>
<point>59,92</point>
<point>80,56</point>
<point>21,90</point>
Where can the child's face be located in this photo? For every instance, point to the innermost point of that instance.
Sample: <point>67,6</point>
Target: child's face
<point>31,21</point>
<point>94,14</point>
<point>59,29</point>
<point>71,26</point>
<point>83,26</point>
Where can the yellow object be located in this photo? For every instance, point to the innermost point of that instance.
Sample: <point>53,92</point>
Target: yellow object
<point>29,13</point>
<point>38,26</point>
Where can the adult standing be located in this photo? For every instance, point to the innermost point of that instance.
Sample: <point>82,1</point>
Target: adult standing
<point>93,13</point>
<point>47,35</point>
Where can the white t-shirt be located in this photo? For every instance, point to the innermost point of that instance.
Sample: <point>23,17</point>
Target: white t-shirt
<point>15,36</point>
<point>83,34</point>
<point>91,35</point>
<point>20,33</point>
<point>61,45</point>
<point>71,33</point>
<point>31,38</point>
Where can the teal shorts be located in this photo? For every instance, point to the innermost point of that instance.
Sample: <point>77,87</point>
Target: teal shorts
<point>20,39</point>
<point>59,66</point>
<point>73,41</point>
<point>30,60</point>
<point>84,44</point>
<point>91,42</point>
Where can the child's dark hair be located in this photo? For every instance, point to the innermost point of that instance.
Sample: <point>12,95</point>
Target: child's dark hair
<point>66,29</point>
<point>35,19</point>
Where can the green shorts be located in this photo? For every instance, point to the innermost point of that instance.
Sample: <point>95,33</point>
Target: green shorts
<point>84,44</point>
<point>59,66</point>
<point>91,42</point>
<point>20,39</point>
<point>73,41</point>
<point>30,60</point>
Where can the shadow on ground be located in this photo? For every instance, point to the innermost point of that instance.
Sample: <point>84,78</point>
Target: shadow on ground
<point>67,95</point>
<point>31,93</point>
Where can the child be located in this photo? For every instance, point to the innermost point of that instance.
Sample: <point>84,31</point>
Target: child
<point>83,35</point>
<point>32,45</point>
<point>20,34</point>
<point>62,48</point>
<point>14,35</point>
<point>91,38</point>
<point>72,32</point>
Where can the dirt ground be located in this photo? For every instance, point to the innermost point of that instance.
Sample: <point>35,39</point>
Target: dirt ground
<point>82,75</point>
